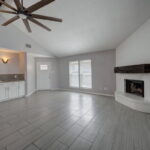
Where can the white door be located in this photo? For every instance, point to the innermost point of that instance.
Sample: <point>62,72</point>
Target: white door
<point>43,75</point>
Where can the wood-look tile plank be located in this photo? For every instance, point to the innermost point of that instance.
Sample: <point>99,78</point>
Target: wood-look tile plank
<point>80,144</point>
<point>25,141</point>
<point>69,137</point>
<point>10,139</point>
<point>49,138</point>
<point>67,124</point>
<point>57,146</point>
<point>12,129</point>
<point>64,120</point>
<point>31,147</point>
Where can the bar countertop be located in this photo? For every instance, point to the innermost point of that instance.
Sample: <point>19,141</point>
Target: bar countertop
<point>10,81</point>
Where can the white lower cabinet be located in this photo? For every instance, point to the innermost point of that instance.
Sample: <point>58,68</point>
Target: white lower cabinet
<point>21,89</point>
<point>7,91</point>
<point>2,92</point>
<point>11,90</point>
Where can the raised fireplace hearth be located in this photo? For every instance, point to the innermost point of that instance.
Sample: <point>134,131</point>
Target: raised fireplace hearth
<point>132,90</point>
<point>135,87</point>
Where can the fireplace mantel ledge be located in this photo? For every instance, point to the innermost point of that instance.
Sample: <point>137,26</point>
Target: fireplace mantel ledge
<point>133,101</point>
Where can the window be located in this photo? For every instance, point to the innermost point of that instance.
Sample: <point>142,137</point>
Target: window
<point>85,74</point>
<point>43,67</point>
<point>80,74</point>
<point>74,74</point>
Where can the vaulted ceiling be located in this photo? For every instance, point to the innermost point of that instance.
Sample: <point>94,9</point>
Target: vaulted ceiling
<point>88,25</point>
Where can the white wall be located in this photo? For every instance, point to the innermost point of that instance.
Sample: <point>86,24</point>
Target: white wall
<point>103,76</point>
<point>136,49</point>
<point>15,65</point>
<point>22,62</point>
<point>12,67</point>
<point>30,75</point>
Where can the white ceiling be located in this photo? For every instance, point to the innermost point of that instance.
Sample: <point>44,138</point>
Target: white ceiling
<point>88,25</point>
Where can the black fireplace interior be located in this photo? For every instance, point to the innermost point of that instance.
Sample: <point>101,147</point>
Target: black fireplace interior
<point>135,87</point>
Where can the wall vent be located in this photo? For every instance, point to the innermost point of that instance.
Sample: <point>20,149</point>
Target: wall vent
<point>28,46</point>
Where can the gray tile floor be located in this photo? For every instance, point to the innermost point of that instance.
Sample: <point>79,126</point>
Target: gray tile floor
<point>71,121</point>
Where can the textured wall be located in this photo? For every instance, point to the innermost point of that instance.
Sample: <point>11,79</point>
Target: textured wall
<point>30,76</point>
<point>136,49</point>
<point>15,65</point>
<point>103,77</point>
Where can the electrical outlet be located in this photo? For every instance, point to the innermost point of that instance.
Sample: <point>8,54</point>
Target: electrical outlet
<point>105,89</point>
<point>15,76</point>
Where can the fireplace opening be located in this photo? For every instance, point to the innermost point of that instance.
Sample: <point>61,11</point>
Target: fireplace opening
<point>135,87</point>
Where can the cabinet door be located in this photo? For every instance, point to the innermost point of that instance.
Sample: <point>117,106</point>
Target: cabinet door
<point>21,88</point>
<point>6,87</point>
<point>2,92</point>
<point>13,90</point>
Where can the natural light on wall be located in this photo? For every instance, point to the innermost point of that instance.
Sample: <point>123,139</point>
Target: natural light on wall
<point>44,67</point>
<point>74,74</point>
<point>85,74</point>
<point>80,73</point>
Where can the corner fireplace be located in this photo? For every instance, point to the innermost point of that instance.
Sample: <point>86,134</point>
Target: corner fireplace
<point>135,87</point>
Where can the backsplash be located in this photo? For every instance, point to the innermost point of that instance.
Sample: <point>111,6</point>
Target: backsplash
<point>11,77</point>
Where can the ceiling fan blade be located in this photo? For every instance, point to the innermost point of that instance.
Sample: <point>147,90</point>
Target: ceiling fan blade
<point>26,23</point>
<point>18,4</point>
<point>46,17</point>
<point>39,24</point>
<point>7,5</point>
<point>38,5</point>
<point>8,12</point>
<point>10,20</point>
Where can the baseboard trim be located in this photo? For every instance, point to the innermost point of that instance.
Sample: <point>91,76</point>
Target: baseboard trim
<point>93,93</point>
<point>14,98</point>
<point>30,93</point>
<point>47,89</point>
<point>59,89</point>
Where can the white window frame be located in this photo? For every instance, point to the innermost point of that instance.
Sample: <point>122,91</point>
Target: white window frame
<point>80,74</point>
<point>70,74</point>
<point>43,67</point>
<point>79,87</point>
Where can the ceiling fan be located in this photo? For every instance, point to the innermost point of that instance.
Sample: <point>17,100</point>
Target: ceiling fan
<point>26,14</point>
